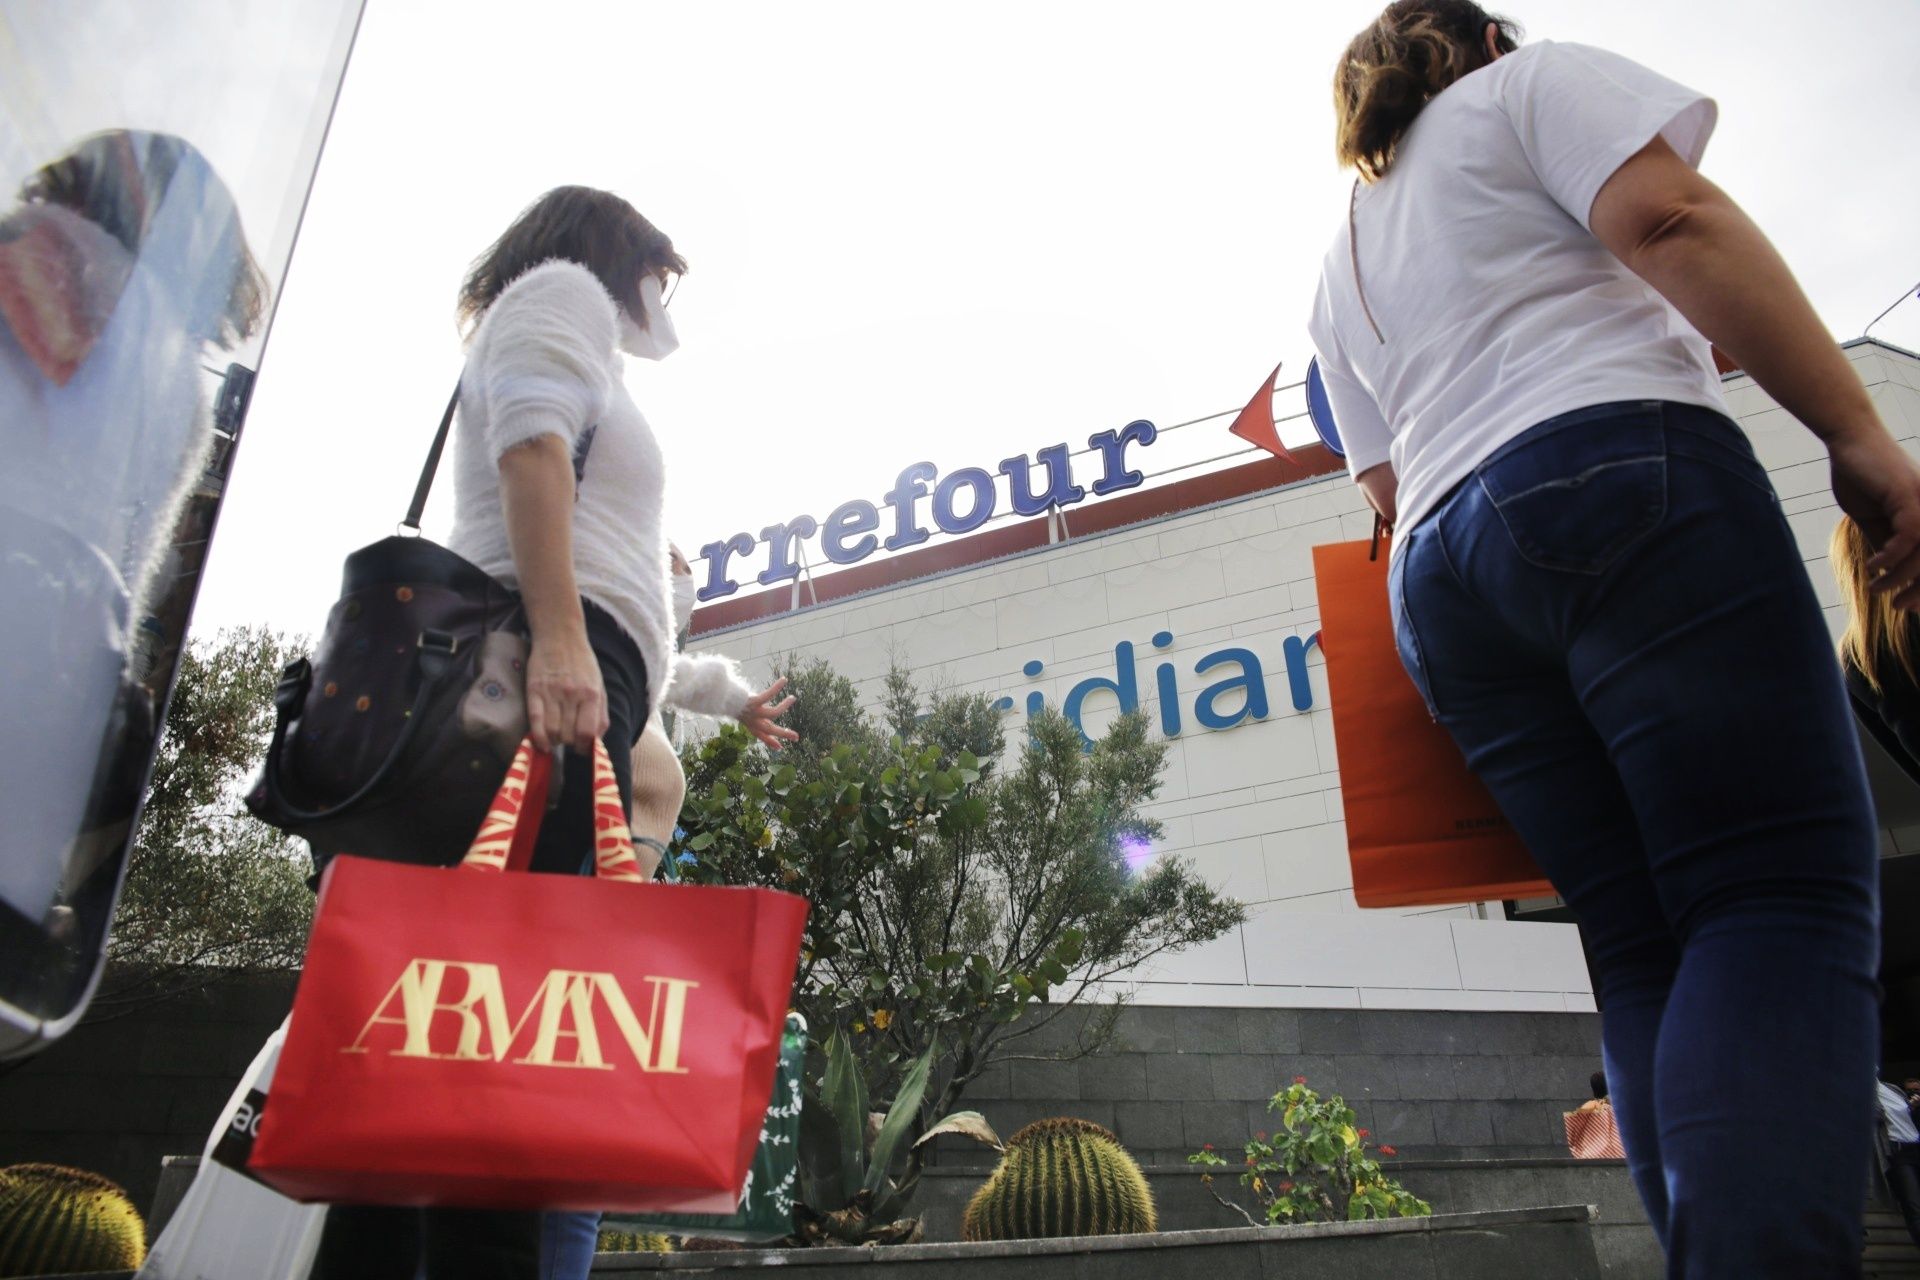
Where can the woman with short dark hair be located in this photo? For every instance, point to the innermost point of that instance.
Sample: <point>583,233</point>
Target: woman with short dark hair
<point>1597,594</point>
<point>558,485</point>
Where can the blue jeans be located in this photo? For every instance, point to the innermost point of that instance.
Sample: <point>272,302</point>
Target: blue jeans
<point>1613,622</point>
<point>567,1243</point>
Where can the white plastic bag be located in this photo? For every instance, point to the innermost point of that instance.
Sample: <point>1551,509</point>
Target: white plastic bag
<point>229,1226</point>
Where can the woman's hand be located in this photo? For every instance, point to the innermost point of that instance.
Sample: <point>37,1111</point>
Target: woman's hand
<point>566,700</point>
<point>1877,482</point>
<point>758,716</point>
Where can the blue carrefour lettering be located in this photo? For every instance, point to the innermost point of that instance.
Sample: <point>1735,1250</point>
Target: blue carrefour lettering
<point>960,502</point>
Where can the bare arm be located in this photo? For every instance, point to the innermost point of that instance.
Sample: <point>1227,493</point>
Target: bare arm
<point>566,701</point>
<point>1685,237</point>
<point>1382,490</point>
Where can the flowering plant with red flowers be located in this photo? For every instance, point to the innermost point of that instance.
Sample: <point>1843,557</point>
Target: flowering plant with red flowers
<point>1316,1168</point>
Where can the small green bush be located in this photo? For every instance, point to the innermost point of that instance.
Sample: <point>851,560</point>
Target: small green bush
<point>1316,1168</point>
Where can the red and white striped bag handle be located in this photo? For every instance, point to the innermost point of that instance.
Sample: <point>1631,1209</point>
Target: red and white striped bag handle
<point>505,843</point>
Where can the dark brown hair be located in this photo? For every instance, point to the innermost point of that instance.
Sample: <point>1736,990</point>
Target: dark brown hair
<point>1403,59</point>
<point>594,228</point>
<point>119,181</point>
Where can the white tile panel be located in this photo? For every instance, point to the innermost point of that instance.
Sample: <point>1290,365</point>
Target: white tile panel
<point>1502,955</point>
<point>1364,950</point>
<point>1037,615</point>
<point>1279,747</point>
<point>1255,819</point>
<point>1221,960</point>
<point>1235,867</point>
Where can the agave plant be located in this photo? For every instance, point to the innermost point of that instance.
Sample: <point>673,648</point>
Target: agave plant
<point>848,1153</point>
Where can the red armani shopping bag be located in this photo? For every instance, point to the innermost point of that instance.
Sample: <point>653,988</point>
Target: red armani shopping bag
<point>530,1041</point>
<point>1420,827</point>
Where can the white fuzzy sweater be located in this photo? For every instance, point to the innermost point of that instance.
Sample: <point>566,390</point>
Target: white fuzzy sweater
<point>546,360</point>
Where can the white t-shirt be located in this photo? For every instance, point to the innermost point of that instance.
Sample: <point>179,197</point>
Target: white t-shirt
<point>1893,1105</point>
<point>1498,307</point>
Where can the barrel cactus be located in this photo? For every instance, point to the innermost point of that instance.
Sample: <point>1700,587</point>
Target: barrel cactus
<point>1062,1177</point>
<point>613,1240</point>
<point>54,1220</point>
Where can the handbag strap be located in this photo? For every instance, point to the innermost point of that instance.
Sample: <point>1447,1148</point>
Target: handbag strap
<point>507,834</point>
<point>418,507</point>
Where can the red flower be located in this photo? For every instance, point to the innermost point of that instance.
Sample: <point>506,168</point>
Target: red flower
<point>1285,1187</point>
<point>1299,1079</point>
<point>1249,1162</point>
<point>1363,1133</point>
<point>1206,1146</point>
<point>1260,1136</point>
<point>1386,1150</point>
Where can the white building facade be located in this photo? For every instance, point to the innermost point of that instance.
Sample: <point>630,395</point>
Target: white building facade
<point>1195,601</point>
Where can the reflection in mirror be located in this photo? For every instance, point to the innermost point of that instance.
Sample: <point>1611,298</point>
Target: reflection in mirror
<point>131,305</point>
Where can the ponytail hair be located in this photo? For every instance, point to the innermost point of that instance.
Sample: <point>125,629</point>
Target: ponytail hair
<point>1880,641</point>
<point>1391,70</point>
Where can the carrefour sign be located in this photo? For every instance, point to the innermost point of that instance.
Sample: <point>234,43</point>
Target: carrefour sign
<point>960,502</point>
<point>1237,693</point>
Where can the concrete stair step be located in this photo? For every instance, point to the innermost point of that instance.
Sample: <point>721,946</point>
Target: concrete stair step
<point>1555,1241</point>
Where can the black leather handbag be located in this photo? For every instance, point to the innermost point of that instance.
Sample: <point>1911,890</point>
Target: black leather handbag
<point>392,739</point>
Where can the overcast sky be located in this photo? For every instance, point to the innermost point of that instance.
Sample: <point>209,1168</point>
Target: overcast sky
<point>939,232</point>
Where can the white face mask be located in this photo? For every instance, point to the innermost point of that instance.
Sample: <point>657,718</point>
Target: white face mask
<point>658,340</point>
<point>683,599</point>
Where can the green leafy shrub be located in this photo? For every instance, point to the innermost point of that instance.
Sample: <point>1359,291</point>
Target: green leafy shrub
<point>1316,1168</point>
<point>964,896</point>
<point>55,1220</point>
<point>1062,1177</point>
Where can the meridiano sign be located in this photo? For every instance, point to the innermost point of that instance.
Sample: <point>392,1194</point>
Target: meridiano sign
<point>1242,686</point>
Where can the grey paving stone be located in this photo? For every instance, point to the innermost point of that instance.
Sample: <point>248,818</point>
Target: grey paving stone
<point>1149,1126</point>
<point>1428,1077</point>
<point>1526,1124</point>
<point>1180,1077</point>
<point>1562,1250</point>
<point>1463,1124</point>
<point>1221,1262</point>
<point>1206,1030</point>
<point>1362,1076</point>
<point>1046,1081</point>
<point>1483,1076</point>
<point>1224,1124</point>
<point>1146,1029</point>
<point>1398,1257</point>
<point>992,1084</point>
<point>1114,1077</point>
<point>1337,1031</point>
<point>1417,1031</point>
<point>1317,1069</point>
<point>1245,1077</point>
<point>1269,1030</point>
<point>1403,1124</point>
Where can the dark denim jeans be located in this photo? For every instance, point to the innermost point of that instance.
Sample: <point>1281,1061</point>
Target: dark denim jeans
<point>1612,620</point>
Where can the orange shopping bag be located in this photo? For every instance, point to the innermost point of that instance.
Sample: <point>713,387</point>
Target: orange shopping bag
<point>1594,1135</point>
<point>1421,829</point>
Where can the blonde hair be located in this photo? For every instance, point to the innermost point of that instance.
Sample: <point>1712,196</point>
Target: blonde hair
<point>1875,629</point>
<point>1401,62</point>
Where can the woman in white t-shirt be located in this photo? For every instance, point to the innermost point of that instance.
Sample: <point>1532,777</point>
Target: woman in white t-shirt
<point>1597,594</point>
<point>558,488</point>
